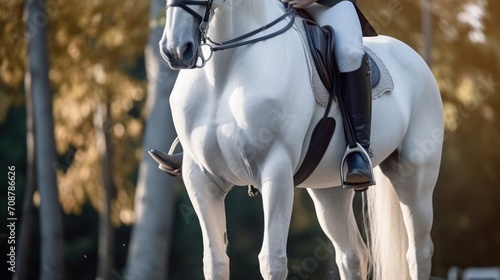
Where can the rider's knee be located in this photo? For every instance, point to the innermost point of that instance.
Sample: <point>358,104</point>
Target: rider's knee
<point>350,57</point>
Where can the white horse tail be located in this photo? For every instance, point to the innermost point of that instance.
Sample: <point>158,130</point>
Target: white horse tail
<point>386,235</point>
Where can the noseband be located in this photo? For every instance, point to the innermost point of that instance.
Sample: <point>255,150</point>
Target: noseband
<point>233,43</point>
<point>203,19</point>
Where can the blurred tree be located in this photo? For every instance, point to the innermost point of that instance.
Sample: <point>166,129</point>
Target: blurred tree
<point>13,62</point>
<point>95,49</point>
<point>427,30</point>
<point>52,266</point>
<point>467,227</point>
<point>155,196</point>
<point>13,65</point>
<point>104,148</point>
<point>28,210</point>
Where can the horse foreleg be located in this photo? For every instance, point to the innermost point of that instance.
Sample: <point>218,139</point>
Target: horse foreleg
<point>277,199</point>
<point>208,201</point>
<point>336,218</point>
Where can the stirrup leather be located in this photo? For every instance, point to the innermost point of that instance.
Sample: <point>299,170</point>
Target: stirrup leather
<point>364,153</point>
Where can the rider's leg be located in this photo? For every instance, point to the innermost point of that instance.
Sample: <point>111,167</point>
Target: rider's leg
<point>357,101</point>
<point>356,92</point>
<point>348,35</point>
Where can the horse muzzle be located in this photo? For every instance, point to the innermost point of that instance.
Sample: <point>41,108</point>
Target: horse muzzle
<point>183,57</point>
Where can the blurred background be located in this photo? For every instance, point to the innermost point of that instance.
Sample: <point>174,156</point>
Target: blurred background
<point>84,81</point>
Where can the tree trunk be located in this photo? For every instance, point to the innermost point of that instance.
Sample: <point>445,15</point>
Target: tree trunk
<point>427,30</point>
<point>106,232</point>
<point>154,200</point>
<point>28,211</point>
<point>52,264</point>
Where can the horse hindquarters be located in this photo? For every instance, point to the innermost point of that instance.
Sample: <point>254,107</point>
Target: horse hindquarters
<point>400,206</point>
<point>413,172</point>
<point>400,219</point>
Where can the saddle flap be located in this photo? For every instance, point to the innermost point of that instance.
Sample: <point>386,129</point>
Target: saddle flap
<point>320,139</point>
<point>322,43</point>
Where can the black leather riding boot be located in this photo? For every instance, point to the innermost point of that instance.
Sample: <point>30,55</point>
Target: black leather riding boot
<point>171,164</point>
<point>357,102</point>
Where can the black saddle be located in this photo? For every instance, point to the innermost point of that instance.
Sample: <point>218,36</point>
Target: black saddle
<point>321,41</point>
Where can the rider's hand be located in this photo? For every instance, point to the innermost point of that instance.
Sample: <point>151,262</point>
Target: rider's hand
<point>300,4</point>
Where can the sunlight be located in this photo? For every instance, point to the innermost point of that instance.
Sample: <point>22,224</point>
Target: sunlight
<point>465,91</point>
<point>473,15</point>
<point>450,116</point>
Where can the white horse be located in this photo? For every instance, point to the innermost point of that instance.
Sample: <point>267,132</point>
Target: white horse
<point>246,118</point>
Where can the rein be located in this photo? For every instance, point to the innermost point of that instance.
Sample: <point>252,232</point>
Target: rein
<point>233,43</point>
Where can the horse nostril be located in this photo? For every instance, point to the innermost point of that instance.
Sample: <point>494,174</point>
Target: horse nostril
<point>165,53</point>
<point>188,50</point>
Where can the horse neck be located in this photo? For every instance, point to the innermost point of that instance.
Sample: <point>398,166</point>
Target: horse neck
<point>237,17</point>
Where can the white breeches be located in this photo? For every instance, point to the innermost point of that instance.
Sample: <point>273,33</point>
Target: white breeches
<point>348,36</point>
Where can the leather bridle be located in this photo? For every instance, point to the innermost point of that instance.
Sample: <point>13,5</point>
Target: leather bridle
<point>239,41</point>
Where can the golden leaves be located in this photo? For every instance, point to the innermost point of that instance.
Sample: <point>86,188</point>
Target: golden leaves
<point>94,46</point>
<point>12,58</point>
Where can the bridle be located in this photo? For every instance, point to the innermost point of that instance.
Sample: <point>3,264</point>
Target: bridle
<point>239,41</point>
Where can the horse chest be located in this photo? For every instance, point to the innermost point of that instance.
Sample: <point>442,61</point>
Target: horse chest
<point>222,138</point>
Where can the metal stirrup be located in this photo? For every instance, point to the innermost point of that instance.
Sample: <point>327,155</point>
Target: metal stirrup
<point>174,145</point>
<point>348,151</point>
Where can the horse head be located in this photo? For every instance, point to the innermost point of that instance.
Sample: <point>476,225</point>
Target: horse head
<point>185,28</point>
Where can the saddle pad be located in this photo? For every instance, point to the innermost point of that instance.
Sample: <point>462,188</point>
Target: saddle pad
<point>380,76</point>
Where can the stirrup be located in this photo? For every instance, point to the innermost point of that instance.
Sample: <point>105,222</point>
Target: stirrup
<point>166,169</point>
<point>174,145</point>
<point>361,186</point>
<point>171,151</point>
